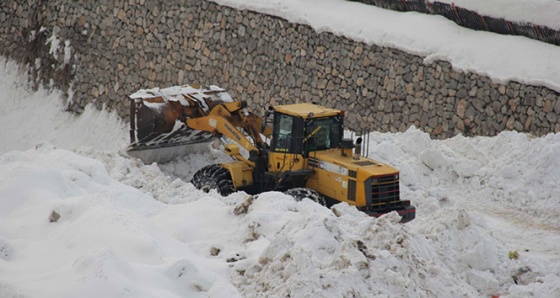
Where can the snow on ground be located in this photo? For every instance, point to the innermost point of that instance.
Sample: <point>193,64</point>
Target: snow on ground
<point>501,57</point>
<point>121,228</point>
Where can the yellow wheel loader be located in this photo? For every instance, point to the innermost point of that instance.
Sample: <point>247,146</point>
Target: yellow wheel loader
<point>298,148</point>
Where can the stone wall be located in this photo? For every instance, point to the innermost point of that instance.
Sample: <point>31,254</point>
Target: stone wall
<point>101,51</point>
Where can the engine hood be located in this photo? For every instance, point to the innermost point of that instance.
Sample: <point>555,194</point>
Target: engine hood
<point>363,168</point>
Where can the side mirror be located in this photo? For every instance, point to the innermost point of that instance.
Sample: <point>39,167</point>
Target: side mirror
<point>267,114</point>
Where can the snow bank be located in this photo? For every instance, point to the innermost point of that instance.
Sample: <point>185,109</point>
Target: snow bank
<point>511,174</point>
<point>111,239</point>
<point>100,243</point>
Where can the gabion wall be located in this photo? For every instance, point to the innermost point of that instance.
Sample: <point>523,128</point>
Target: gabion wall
<point>101,51</point>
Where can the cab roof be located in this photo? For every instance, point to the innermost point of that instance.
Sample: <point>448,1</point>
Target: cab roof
<point>306,110</point>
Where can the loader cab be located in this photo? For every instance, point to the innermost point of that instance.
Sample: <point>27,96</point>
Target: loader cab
<point>304,128</point>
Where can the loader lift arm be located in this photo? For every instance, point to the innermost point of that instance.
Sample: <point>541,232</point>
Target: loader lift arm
<point>224,119</point>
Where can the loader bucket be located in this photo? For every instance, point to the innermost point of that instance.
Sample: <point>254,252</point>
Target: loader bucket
<point>158,132</point>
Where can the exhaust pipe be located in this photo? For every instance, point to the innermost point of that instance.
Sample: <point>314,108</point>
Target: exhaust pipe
<point>358,149</point>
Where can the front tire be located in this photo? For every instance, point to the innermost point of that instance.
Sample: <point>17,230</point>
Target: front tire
<point>300,193</point>
<point>214,177</point>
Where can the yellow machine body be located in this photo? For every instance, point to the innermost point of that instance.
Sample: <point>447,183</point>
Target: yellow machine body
<point>303,149</point>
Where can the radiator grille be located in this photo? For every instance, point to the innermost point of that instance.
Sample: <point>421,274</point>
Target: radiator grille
<point>385,189</point>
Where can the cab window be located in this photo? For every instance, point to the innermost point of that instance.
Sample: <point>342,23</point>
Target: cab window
<point>283,126</point>
<point>325,133</point>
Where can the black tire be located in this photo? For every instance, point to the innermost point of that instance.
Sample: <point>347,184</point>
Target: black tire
<point>300,193</point>
<point>213,177</point>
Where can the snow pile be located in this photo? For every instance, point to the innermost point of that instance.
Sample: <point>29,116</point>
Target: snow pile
<point>511,174</point>
<point>72,231</point>
<point>105,238</point>
<point>165,182</point>
<point>342,253</point>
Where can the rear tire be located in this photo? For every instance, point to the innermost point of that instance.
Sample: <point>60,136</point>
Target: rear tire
<point>213,177</point>
<point>300,193</point>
